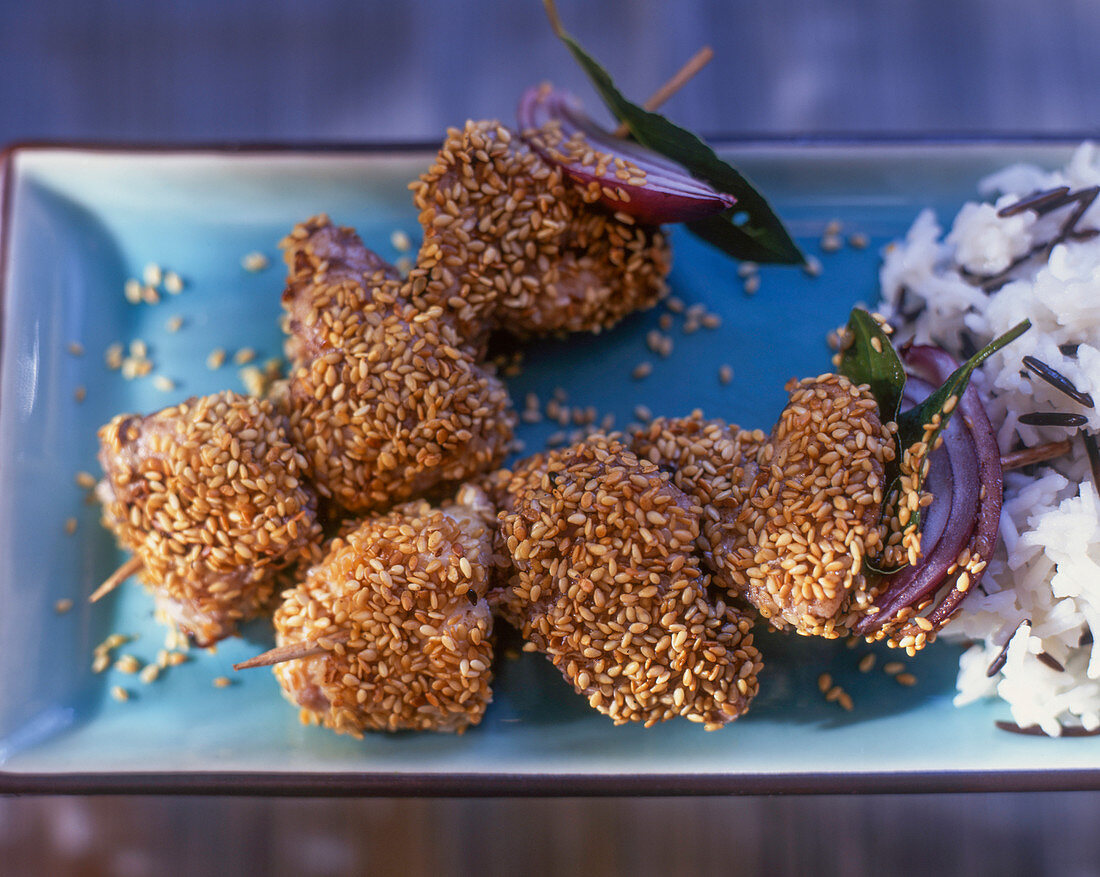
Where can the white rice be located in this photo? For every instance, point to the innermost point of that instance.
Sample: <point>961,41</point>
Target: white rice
<point>1047,568</point>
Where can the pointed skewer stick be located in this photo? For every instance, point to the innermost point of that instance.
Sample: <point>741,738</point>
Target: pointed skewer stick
<point>682,76</point>
<point>1037,454</point>
<point>291,652</point>
<point>116,578</point>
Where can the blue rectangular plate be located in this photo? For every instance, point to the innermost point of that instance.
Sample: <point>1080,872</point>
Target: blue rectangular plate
<point>78,221</point>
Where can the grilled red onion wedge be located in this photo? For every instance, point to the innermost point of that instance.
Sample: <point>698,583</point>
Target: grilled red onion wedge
<point>621,174</point>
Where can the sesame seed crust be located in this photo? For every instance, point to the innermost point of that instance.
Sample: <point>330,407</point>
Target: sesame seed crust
<point>814,508</point>
<point>714,463</point>
<point>605,582</point>
<point>399,606</point>
<point>385,401</point>
<point>210,495</point>
<point>509,243</point>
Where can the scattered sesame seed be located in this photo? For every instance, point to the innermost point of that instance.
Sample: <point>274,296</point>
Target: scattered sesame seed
<point>845,701</point>
<point>62,606</point>
<point>725,374</point>
<point>119,693</point>
<point>641,412</point>
<point>174,323</point>
<point>244,355</point>
<point>152,274</point>
<point>80,393</point>
<point>747,269</point>
<point>139,349</point>
<point>131,289</point>
<point>86,480</point>
<point>215,359</point>
<point>675,304</point>
<point>70,526</point>
<point>833,227</point>
<point>173,283</point>
<point>164,384</point>
<point>400,241</point>
<point>641,370</point>
<point>127,664</point>
<point>813,266</point>
<point>404,265</point>
<point>149,673</point>
<point>665,321</point>
<point>752,284</point>
<point>831,244</point>
<point>858,241</point>
<point>824,682</point>
<point>149,295</point>
<point>222,682</point>
<point>867,663</point>
<point>254,262</point>
<point>906,679</point>
<point>113,356</point>
<point>76,348</point>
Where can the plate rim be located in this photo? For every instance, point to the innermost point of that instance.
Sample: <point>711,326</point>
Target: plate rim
<point>438,784</point>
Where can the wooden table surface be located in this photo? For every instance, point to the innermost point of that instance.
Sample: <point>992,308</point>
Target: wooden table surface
<point>355,70</point>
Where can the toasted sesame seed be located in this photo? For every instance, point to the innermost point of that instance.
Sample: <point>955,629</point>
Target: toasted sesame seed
<point>747,269</point>
<point>725,374</point>
<point>906,679</point>
<point>400,241</point>
<point>867,663</point>
<point>641,370</point>
<point>174,323</point>
<point>164,384</point>
<point>824,682</point>
<point>254,262</point>
<point>113,356</point>
<point>119,693</point>
<point>128,664</point>
<point>222,682</point>
<point>244,355</point>
<point>858,241</point>
<point>132,291</point>
<point>149,673</point>
<point>80,393</point>
<point>70,526</point>
<point>173,283</point>
<point>152,274</point>
<point>62,606</point>
<point>76,348</point>
<point>641,412</point>
<point>751,286</point>
<point>831,243</point>
<point>215,359</point>
<point>813,266</point>
<point>86,480</point>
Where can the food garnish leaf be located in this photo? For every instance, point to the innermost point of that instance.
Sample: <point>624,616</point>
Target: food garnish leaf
<point>750,230</point>
<point>911,423</point>
<point>869,358</point>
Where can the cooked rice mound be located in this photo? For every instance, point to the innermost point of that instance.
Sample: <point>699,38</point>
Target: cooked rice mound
<point>210,495</point>
<point>814,508</point>
<point>607,584</point>
<point>714,463</point>
<point>510,244</point>
<point>399,607</point>
<point>385,401</point>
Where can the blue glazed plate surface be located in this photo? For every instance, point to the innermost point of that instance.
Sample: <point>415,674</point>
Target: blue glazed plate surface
<point>79,222</point>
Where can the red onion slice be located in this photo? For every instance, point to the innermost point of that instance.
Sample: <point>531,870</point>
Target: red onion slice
<point>631,178</point>
<point>965,479</point>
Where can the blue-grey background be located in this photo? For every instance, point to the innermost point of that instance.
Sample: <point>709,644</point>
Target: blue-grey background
<point>355,70</point>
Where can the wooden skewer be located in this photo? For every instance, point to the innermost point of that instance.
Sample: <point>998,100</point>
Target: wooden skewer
<point>1037,454</point>
<point>682,76</point>
<point>291,652</point>
<point>116,578</point>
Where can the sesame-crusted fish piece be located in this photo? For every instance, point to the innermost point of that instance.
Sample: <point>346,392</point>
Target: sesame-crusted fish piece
<point>319,255</point>
<point>814,509</point>
<point>714,463</point>
<point>510,244</point>
<point>211,497</point>
<point>398,605</point>
<point>384,398</point>
<point>606,582</point>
